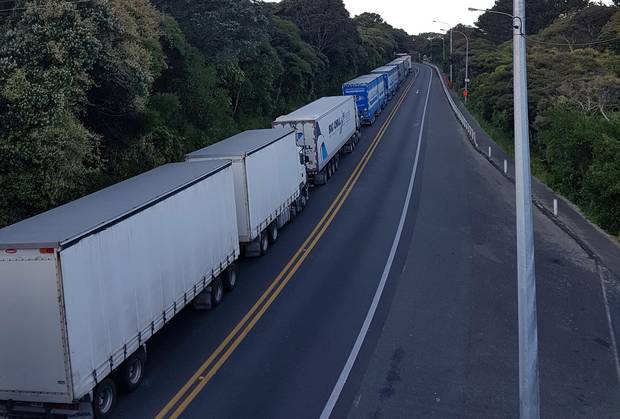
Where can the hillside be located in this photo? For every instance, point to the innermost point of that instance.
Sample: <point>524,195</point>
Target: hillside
<point>94,92</point>
<point>574,92</point>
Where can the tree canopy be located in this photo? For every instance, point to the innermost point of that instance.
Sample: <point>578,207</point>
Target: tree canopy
<point>94,92</point>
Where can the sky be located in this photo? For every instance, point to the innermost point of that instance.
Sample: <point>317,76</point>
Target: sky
<point>416,16</point>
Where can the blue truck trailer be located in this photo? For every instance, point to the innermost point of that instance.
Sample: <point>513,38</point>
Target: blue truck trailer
<point>370,96</point>
<point>402,69</point>
<point>390,78</point>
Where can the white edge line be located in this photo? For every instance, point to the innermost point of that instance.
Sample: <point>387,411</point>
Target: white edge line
<point>614,345</point>
<point>344,375</point>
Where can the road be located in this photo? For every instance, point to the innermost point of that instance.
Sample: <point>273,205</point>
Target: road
<point>420,224</point>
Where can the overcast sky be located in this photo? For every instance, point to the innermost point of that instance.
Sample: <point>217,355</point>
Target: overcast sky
<point>417,16</point>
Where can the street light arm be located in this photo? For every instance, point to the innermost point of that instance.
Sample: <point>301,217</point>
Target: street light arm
<point>495,12</point>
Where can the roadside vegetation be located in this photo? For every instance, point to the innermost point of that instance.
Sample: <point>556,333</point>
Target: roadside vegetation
<point>93,92</point>
<point>574,91</point>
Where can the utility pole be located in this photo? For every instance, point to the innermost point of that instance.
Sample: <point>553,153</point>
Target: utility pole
<point>529,393</point>
<point>451,50</point>
<point>451,45</point>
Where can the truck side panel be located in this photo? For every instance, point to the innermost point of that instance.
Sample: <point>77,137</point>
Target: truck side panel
<point>125,282</point>
<point>334,130</point>
<point>31,319</point>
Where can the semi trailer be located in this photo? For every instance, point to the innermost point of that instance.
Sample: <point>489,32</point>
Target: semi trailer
<point>83,287</point>
<point>407,60</point>
<point>390,78</point>
<point>270,182</point>
<point>326,128</point>
<point>403,70</point>
<point>370,96</point>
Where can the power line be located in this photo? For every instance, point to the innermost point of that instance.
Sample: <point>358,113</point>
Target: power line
<point>568,44</point>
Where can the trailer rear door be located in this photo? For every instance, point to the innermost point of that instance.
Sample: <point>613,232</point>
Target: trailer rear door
<point>32,348</point>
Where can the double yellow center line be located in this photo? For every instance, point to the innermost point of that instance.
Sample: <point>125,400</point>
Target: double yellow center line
<point>181,400</point>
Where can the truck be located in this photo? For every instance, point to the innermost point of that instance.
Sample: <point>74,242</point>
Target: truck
<point>407,58</point>
<point>370,96</point>
<point>402,69</point>
<point>270,182</point>
<point>83,287</point>
<point>390,78</point>
<point>326,128</point>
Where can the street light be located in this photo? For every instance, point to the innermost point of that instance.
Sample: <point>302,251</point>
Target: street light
<point>495,12</point>
<point>529,388</point>
<point>451,44</point>
<point>466,61</point>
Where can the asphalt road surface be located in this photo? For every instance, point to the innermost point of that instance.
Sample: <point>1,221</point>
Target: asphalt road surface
<point>392,296</point>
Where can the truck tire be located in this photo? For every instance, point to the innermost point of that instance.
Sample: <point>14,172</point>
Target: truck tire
<point>264,244</point>
<point>272,233</point>
<point>104,399</point>
<point>230,278</point>
<point>217,292</point>
<point>131,373</point>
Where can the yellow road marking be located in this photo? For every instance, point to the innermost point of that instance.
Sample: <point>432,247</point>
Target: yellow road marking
<point>200,379</point>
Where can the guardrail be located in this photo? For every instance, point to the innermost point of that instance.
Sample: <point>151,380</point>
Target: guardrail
<point>459,115</point>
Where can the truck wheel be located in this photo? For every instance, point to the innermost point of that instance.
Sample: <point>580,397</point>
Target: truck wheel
<point>273,233</point>
<point>230,277</point>
<point>264,244</point>
<point>104,399</point>
<point>217,292</point>
<point>131,372</point>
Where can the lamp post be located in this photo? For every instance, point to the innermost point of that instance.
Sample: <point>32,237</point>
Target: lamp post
<point>466,61</point>
<point>529,389</point>
<point>451,45</point>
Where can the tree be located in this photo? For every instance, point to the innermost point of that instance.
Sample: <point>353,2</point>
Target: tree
<point>539,14</point>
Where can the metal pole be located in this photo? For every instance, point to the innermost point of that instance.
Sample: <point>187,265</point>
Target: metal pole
<point>467,69</point>
<point>529,396</point>
<point>451,50</point>
<point>443,38</point>
<point>431,40</point>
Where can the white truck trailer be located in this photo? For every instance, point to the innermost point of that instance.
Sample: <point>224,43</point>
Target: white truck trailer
<point>84,286</point>
<point>270,182</point>
<point>326,128</point>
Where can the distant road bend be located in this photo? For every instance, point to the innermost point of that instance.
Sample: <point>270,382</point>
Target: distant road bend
<point>395,297</point>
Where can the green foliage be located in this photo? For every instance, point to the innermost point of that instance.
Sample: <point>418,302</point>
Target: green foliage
<point>94,92</point>
<point>540,14</point>
<point>574,106</point>
<point>582,159</point>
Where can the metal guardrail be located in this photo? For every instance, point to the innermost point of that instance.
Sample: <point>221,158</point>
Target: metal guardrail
<point>459,115</point>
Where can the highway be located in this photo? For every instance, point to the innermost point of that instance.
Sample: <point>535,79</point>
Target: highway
<point>392,296</point>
